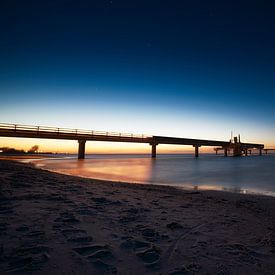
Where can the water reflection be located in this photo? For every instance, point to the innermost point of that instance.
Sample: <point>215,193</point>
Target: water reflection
<point>253,174</point>
<point>132,170</point>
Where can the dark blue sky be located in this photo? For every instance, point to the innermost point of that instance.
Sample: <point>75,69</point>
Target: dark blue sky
<point>205,61</point>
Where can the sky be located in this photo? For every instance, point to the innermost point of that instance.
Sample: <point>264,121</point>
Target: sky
<point>196,69</point>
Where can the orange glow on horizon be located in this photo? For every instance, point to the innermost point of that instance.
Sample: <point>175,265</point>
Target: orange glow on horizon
<point>96,147</point>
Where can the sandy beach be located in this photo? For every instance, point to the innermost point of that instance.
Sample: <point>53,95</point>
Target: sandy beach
<point>58,224</point>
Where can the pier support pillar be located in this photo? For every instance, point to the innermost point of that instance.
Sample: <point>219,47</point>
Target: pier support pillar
<point>245,152</point>
<point>196,151</point>
<point>81,149</point>
<point>154,150</point>
<point>237,150</point>
<point>260,152</point>
<point>225,152</point>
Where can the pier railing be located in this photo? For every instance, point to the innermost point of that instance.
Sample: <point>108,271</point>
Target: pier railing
<point>59,131</point>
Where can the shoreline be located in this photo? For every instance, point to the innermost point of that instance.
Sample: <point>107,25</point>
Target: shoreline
<point>149,185</point>
<point>51,222</point>
<point>179,186</point>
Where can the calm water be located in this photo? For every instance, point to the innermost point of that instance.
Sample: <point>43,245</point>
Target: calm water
<point>252,174</point>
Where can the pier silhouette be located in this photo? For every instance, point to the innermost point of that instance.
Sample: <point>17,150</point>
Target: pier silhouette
<point>29,131</point>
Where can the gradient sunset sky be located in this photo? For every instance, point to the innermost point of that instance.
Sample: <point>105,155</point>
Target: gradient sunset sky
<point>195,69</point>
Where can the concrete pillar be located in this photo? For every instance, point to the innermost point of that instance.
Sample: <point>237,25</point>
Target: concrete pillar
<point>196,151</point>
<point>260,152</point>
<point>237,151</point>
<point>154,150</point>
<point>225,152</point>
<point>245,152</point>
<point>81,149</point>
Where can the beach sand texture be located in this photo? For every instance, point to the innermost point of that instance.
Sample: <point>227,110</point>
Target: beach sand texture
<point>57,224</point>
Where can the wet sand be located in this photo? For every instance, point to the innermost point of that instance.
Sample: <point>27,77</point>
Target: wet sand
<point>58,224</point>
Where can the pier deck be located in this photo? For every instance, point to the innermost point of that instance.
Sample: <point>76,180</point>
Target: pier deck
<point>29,131</point>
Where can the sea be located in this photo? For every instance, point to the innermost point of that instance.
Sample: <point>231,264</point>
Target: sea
<point>251,174</point>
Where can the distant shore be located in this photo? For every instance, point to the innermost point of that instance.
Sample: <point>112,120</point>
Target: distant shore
<point>53,223</point>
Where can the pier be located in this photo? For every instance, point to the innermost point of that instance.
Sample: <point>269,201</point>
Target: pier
<point>82,136</point>
<point>266,150</point>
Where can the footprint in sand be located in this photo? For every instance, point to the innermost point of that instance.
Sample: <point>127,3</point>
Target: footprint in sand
<point>33,250</point>
<point>28,258</point>
<point>146,251</point>
<point>150,234</point>
<point>181,271</point>
<point>85,211</point>
<point>192,268</point>
<point>76,236</point>
<point>132,214</point>
<point>72,232</point>
<point>80,240</point>
<point>67,217</point>
<point>150,256</point>
<point>99,255</point>
<point>101,200</point>
<point>174,225</point>
<point>103,254</point>
<point>128,218</point>
<point>136,245</point>
<point>89,250</point>
<point>104,268</point>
